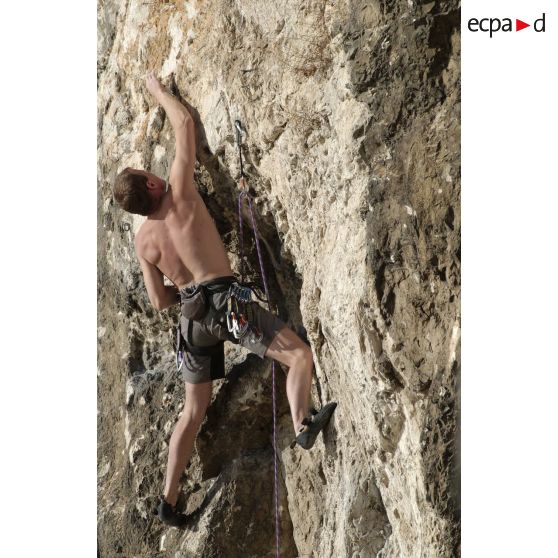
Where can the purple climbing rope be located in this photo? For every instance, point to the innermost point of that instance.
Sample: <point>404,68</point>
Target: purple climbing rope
<point>275,452</point>
<point>241,237</point>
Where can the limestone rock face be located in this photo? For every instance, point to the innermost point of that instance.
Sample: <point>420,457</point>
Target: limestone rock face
<point>352,113</point>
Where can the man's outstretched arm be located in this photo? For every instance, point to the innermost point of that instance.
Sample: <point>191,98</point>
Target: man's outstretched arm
<point>184,130</point>
<point>177,113</point>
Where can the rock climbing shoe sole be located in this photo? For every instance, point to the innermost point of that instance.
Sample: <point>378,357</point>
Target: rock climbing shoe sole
<point>313,426</point>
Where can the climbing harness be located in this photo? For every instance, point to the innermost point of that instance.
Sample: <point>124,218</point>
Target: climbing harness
<point>196,305</point>
<point>194,302</point>
<point>244,194</point>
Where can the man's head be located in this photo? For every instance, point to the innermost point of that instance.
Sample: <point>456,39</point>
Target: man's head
<point>138,191</point>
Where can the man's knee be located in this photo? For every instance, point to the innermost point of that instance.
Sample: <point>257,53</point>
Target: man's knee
<point>196,403</point>
<point>192,417</point>
<point>303,355</point>
<point>289,349</point>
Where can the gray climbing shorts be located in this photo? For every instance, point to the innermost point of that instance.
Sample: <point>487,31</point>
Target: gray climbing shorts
<point>211,329</point>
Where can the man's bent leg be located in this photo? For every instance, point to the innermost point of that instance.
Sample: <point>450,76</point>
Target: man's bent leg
<point>182,440</point>
<point>289,349</point>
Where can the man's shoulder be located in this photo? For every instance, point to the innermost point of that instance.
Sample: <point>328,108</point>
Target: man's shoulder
<point>146,241</point>
<point>140,239</point>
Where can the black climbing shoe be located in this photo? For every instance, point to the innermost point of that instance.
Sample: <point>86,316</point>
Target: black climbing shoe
<point>313,425</point>
<point>168,514</point>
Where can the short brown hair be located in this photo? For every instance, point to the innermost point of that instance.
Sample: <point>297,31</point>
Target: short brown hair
<point>130,191</point>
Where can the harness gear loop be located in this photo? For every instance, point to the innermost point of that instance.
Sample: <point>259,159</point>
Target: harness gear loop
<point>239,311</point>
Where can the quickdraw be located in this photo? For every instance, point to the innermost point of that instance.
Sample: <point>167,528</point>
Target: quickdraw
<point>180,355</point>
<point>239,313</point>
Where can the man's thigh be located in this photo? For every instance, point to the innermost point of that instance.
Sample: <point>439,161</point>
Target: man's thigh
<point>267,324</point>
<point>287,346</point>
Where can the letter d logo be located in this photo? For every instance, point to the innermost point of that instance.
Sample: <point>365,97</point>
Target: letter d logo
<point>540,21</point>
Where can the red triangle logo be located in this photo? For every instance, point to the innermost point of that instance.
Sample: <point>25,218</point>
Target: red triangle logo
<point>519,25</point>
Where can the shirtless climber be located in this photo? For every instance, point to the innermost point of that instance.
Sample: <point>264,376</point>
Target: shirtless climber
<point>179,240</point>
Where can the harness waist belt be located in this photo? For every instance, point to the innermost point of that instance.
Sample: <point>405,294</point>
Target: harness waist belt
<point>217,285</point>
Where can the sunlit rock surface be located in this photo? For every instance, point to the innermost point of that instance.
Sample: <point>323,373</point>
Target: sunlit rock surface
<point>352,114</point>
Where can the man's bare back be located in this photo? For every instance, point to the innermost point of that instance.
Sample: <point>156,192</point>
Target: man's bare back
<point>181,239</point>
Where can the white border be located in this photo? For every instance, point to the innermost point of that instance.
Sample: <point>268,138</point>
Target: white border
<point>48,410</point>
<point>509,379</point>
<point>49,281</point>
